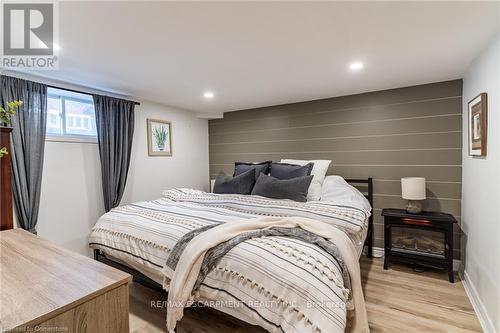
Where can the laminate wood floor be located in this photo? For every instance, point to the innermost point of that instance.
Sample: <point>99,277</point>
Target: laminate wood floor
<point>397,300</point>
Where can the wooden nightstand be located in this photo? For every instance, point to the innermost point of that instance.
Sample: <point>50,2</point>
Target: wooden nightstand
<point>430,221</point>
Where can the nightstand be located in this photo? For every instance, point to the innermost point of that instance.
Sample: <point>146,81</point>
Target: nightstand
<point>435,222</point>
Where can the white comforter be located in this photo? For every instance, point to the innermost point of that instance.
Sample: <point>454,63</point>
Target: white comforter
<point>281,284</point>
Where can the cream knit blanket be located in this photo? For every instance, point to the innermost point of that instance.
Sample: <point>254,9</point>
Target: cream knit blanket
<point>181,282</point>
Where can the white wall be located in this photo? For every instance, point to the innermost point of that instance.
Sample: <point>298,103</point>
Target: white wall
<point>481,193</point>
<point>71,198</point>
<point>188,166</point>
<point>71,195</point>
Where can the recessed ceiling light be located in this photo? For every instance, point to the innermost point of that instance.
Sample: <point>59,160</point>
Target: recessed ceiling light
<point>356,66</point>
<point>208,95</point>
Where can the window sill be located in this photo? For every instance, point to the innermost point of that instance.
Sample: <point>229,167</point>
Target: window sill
<point>71,139</point>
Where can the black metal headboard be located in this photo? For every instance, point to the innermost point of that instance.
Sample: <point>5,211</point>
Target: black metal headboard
<point>369,195</point>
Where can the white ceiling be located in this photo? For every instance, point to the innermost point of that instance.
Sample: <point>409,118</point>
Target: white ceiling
<point>259,54</point>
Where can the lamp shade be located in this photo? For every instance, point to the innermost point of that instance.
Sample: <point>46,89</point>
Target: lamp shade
<point>413,188</point>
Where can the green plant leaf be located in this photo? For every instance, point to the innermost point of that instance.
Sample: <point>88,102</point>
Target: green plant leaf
<point>6,114</point>
<point>3,152</point>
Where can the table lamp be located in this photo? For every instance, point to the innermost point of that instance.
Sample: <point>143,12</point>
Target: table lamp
<point>413,190</point>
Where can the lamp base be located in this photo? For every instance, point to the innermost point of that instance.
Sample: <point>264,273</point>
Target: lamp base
<point>414,207</point>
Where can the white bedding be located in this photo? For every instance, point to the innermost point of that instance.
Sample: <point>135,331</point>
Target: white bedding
<point>296,283</point>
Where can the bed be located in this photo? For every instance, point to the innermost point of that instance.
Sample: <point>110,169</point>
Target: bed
<point>279,283</point>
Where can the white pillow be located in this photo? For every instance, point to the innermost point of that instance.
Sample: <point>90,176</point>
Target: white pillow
<point>337,190</point>
<point>319,170</point>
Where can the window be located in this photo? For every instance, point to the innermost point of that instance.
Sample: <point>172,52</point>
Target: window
<point>70,115</point>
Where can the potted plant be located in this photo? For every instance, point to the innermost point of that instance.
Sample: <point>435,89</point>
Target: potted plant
<point>160,134</point>
<point>5,119</point>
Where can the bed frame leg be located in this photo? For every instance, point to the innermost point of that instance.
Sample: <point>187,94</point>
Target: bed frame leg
<point>369,238</point>
<point>369,253</point>
<point>369,243</point>
<point>96,254</point>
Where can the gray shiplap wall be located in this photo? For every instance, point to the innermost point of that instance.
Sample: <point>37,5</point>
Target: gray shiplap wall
<point>412,131</point>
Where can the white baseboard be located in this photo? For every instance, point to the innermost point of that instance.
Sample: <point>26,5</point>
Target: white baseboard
<point>378,252</point>
<point>482,315</point>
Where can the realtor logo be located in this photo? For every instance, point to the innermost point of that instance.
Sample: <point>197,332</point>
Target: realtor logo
<point>29,35</point>
<point>28,29</point>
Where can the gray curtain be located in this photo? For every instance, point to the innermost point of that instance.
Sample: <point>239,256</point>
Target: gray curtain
<point>115,129</point>
<point>28,141</point>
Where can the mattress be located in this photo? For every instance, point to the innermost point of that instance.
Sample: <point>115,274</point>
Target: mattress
<point>278,283</point>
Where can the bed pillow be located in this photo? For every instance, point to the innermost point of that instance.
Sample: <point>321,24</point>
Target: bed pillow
<point>241,184</point>
<point>319,170</point>
<point>293,189</point>
<point>337,190</point>
<point>241,167</point>
<point>288,171</point>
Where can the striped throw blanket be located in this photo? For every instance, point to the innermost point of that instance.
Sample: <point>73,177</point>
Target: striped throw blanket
<point>282,284</point>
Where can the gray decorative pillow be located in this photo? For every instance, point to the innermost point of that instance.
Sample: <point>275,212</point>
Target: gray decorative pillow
<point>241,184</point>
<point>240,167</point>
<point>288,171</point>
<point>294,189</point>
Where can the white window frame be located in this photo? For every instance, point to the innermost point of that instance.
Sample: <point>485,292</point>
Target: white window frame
<point>65,137</point>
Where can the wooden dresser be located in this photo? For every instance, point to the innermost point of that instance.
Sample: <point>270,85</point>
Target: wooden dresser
<point>45,288</point>
<point>6,217</point>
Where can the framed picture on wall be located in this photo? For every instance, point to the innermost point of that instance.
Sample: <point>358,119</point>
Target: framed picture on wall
<point>159,137</point>
<point>478,125</point>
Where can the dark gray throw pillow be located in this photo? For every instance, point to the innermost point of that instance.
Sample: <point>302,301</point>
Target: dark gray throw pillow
<point>241,184</point>
<point>240,167</point>
<point>294,189</point>
<point>288,171</point>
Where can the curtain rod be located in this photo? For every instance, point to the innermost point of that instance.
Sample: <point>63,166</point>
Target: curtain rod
<point>80,92</point>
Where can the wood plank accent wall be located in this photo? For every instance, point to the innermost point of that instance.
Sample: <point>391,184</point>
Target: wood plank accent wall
<point>389,134</point>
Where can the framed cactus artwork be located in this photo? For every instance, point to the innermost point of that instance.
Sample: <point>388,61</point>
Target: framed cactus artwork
<point>159,137</point>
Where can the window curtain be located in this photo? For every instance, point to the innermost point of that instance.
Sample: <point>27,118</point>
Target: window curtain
<point>28,141</point>
<point>115,129</point>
